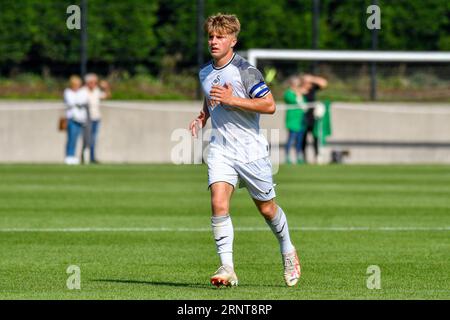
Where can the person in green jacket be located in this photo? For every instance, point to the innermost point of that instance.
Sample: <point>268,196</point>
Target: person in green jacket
<point>293,98</point>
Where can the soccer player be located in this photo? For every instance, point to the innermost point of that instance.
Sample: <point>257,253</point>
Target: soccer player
<point>235,96</point>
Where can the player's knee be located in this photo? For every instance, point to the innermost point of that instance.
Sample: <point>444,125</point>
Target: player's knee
<point>219,205</point>
<point>268,209</point>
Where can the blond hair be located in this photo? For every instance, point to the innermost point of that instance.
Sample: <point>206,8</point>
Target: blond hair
<point>74,80</point>
<point>223,24</point>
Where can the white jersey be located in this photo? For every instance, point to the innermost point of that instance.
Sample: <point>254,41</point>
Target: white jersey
<point>236,133</point>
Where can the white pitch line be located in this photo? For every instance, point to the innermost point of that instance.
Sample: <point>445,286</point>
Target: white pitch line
<point>241,229</point>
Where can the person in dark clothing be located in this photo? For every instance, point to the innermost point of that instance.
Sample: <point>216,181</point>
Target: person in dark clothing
<point>311,84</point>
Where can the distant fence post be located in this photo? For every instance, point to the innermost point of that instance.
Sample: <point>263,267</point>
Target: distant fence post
<point>315,32</point>
<point>200,37</point>
<point>373,66</point>
<point>84,39</point>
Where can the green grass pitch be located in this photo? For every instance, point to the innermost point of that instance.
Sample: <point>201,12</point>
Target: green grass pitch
<point>149,233</point>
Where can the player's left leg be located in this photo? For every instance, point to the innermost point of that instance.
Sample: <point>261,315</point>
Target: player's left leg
<point>257,176</point>
<point>277,221</point>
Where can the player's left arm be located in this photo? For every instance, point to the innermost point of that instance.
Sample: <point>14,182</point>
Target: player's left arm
<point>224,95</point>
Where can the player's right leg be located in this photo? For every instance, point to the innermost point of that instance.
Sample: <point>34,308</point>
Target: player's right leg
<point>222,178</point>
<point>222,227</point>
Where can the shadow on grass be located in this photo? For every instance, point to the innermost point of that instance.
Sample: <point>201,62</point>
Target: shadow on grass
<point>156,283</point>
<point>179,284</point>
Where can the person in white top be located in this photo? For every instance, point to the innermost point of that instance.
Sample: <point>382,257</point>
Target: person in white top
<point>75,99</point>
<point>96,92</point>
<point>235,96</point>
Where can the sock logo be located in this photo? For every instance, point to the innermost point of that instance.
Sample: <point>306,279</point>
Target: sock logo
<point>281,228</point>
<point>220,238</point>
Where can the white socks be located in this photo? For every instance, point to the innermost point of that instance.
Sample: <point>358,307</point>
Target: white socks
<point>279,227</point>
<point>224,235</point>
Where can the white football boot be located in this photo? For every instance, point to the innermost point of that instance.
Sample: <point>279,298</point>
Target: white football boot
<point>292,269</point>
<point>224,276</point>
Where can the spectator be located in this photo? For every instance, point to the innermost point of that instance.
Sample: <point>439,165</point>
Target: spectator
<point>310,85</point>
<point>293,97</point>
<point>75,100</point>
<point>95,92</point>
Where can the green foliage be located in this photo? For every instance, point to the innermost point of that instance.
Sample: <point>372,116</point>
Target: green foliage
<point>122,34</point>
<point>121,30</point>
<point>52,41</point>
<point>118,31</point>
<point>176,30</point>
<point>414,25</point>
<point>16,30</point>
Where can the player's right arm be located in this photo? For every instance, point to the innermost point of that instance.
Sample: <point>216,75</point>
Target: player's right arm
<point>200,120</point>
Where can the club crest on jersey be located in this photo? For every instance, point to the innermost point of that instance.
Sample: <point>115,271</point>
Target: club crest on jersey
<point>216,81</point>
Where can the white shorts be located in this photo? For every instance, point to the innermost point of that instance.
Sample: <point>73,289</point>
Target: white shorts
<point>256,176</point>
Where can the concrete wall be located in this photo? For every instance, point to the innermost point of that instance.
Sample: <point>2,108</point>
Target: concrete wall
<point>393,133</point>
<point>142,132</point>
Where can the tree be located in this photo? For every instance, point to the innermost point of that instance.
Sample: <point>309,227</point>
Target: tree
<point>16,31</point>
